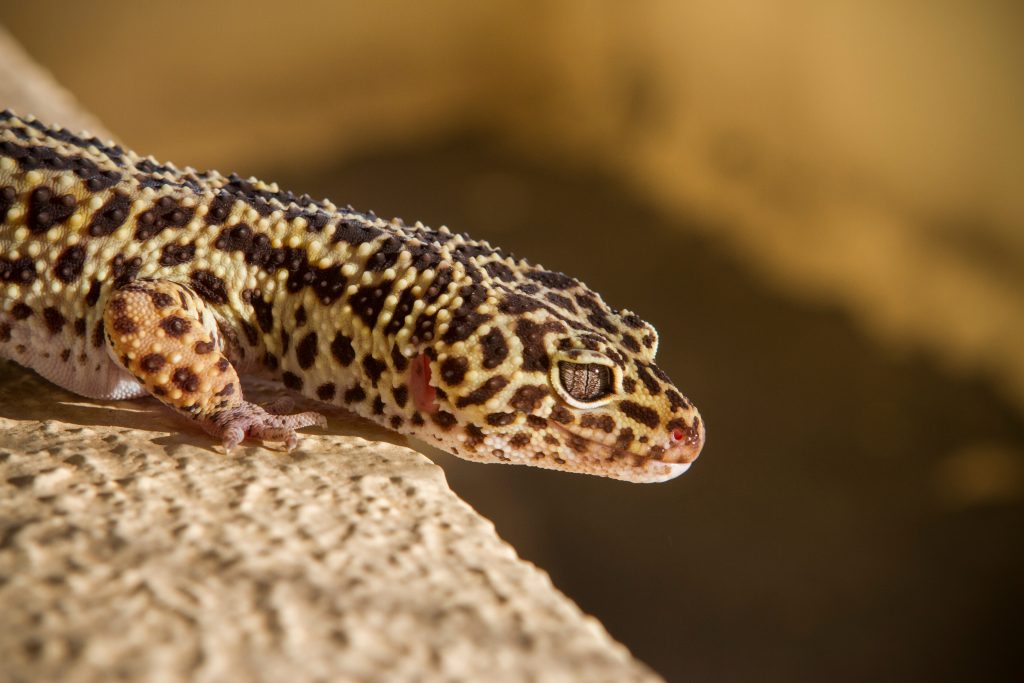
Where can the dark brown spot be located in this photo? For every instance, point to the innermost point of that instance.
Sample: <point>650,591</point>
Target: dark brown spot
<point>325,392</point>
<point>398,359</point>
<point>177,254</point>
<point>519,440</point>
<point>70,264</point>
<point>306,350</point>
<point>528,397</point>
<point>368,301</point>
<point>517,304</point>
<point>677,401</point>
<point>645,416</point>
<point>378,406</point>
<point>355,394</point>
<point>494,347</point>
<point>374,368</point>
<point>552,280</point>
<point>7,196</point>
<point>464,325</point>
<point>264,312</point>
<point>208,286</point>
<point>161,300</point>
<point>46,210</point>
<point>630,342</point>
<point>300,316</point>
<point>500,419</point>
<point>475,436</point>
<point>54,319</point>
<point>125,325</point>
<point>653,386</point>
<point>175,326</point>
<point>94,293</point>
<point>21,271</point>
<point>165,213</point>
<point>395,421</point>
<point>228,389</point>
<point>110,216</point>
<point>499,271</point>
<point>633,321</point>
<point>603,422</point>
<point>578,444</point>
<point>536,421</point>
<point>341,349</point>
<point>20,311</point>
<point>401,395</point>
<point>453,370</point>
<point>624,438</point>
<point>185,379</point>
<point>124,270</point>
<point>482,393</point>
<point>444,420</point>
<point>252,336</point>
<point>561,414</point>
<point>354,232</point>
<point>204,347</point>
<point>5,332</point>
<point>562,302</point>
<point>291,380</point>
<point>222,364</point>
<point>531,334</point>
<point>152,362</point>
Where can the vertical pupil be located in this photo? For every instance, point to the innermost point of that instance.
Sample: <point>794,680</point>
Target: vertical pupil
<point>585,382</point>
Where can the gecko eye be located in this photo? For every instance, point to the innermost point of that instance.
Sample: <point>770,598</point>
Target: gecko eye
<point>584,379</point>
<point>585,382</point>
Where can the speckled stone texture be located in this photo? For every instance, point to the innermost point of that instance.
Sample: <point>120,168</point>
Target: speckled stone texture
<point>132,549</point>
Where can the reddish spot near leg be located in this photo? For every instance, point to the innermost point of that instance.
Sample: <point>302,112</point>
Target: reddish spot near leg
<point>423,394</point>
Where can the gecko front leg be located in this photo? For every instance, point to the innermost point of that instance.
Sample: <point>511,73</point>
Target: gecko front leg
<point>166,337</point>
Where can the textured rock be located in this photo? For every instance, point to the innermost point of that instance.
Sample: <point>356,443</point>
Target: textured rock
<point>132,549</point>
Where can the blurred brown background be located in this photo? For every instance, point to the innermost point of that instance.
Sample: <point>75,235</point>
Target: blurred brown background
<point>819,205</point>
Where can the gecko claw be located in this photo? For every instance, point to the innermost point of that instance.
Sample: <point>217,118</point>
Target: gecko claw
<point>256,422</point>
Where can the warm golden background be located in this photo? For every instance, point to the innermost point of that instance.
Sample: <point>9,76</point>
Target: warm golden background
<point>819,204</point>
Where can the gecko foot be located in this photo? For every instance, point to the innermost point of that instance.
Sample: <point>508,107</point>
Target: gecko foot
<point>251,420</point>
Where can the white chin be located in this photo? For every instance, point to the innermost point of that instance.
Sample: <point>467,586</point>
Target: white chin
<point>665,471</point>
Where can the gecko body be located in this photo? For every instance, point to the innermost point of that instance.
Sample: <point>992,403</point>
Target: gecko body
<point>122,277</point>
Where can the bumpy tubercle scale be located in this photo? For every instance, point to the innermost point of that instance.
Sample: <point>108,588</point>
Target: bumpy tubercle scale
<point>123,277</point>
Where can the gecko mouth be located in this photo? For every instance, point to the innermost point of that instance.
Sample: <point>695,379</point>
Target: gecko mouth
<point>679,455</point>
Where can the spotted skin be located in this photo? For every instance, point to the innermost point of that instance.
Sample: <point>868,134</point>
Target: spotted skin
<point>123,277</point>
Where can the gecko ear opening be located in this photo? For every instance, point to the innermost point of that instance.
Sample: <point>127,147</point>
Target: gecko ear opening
<point>585,379</point>
<point>424,395</point>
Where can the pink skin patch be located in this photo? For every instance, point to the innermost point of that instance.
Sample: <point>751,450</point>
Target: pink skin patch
<point>423,394</point>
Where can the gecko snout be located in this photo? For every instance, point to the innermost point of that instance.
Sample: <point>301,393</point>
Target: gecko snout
<point>685,441</point>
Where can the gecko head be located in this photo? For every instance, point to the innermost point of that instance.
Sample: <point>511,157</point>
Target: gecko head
<point>571,387</point>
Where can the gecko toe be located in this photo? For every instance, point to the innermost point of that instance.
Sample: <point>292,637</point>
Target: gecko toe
<point>232,436</point>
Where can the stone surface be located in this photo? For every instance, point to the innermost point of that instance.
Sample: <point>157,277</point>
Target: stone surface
<point>133,549</point>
